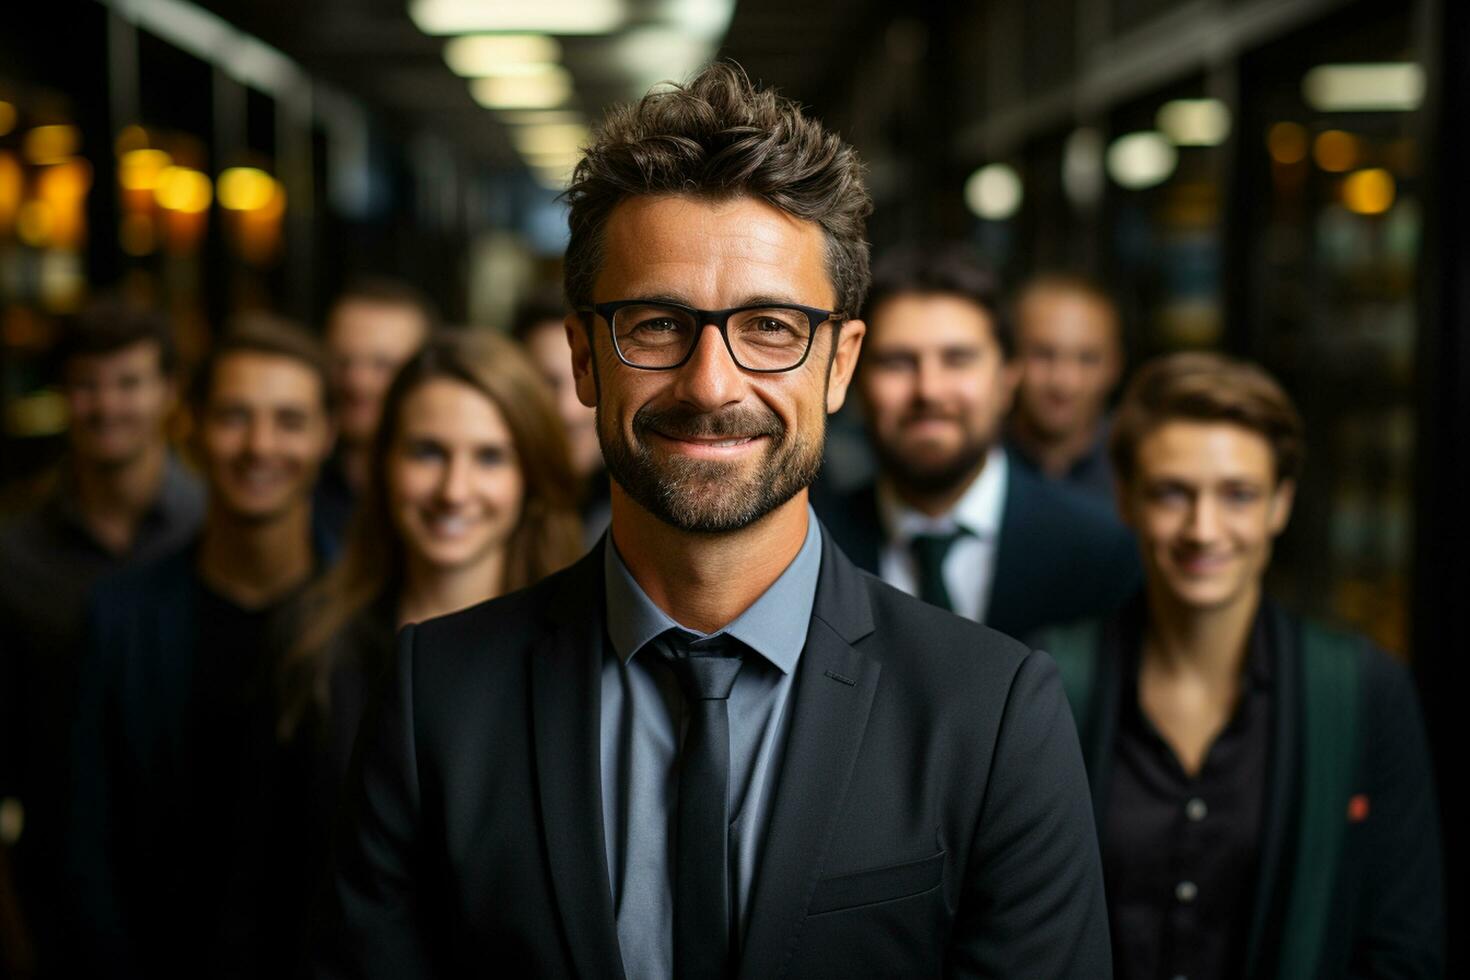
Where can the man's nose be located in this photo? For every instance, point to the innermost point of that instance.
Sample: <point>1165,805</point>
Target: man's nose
<point>710,378</point>
<point>1204,518</point>
<point>261,437</point>
<point>929,380</point>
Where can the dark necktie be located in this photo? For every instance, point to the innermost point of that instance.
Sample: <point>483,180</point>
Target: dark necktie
<point>930,551</point>
<point>706,670</point>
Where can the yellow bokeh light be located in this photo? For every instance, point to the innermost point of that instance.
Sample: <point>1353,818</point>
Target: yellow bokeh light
<point>184,190</point>
<point>1287,143</point>
<point>245,189</point>
<point>131,138</point>
<point>138,170</point>
<point>8,116</point>
<point>34,224</point>
<point>1335,151</point>
<point>51,144</point>
<point>12,188</point>
<point>1370,191</point>
<point>66,182</point>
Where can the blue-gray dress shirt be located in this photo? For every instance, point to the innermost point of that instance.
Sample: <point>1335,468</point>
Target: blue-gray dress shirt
<point>643,720</point>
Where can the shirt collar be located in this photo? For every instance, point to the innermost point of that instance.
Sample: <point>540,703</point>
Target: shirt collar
<point>775,625</point>
<point>978,511</point>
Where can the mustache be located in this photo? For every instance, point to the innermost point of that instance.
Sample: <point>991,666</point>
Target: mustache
<point>927,413</point>
<point>685,423</point>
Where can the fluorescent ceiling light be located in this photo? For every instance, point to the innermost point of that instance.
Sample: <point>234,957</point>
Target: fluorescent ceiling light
<point>541,117</point>
<point>547,89</point>
<point>994,192</point>
<point>1364,88</point>
<point>649,55</point>
<point>705,19</point>
<point>564,138</point>
<point>1194,122</point>
<point>535,16</point>
<point>479,55</point>
<point>1141,160</point>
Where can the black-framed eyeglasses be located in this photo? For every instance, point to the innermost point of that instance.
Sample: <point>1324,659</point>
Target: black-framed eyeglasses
<point>766,338</point>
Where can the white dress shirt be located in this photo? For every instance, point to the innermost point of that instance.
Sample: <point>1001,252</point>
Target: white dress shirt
<point>969,568</point>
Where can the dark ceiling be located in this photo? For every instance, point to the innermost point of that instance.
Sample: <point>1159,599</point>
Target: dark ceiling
<point>371,49</point>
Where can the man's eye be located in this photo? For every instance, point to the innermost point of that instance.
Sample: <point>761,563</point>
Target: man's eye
<point>893,362</point>
<point>660,325</point>
<point>1168,494</point>
<point>1241,496</point>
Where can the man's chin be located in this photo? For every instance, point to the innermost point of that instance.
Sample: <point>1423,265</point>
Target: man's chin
<point>928,474</point>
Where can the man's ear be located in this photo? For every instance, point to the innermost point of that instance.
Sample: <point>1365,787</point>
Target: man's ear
<point>1282,499</point>
<point>584,367</point>
<point>1009,379</point>
<point>849,340</point>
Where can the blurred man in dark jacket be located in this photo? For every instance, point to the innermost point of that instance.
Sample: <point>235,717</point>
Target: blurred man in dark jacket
<point>122,498</point>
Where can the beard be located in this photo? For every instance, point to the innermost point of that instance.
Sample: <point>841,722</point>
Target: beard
<point>710,496</point>
<point>927,474</point>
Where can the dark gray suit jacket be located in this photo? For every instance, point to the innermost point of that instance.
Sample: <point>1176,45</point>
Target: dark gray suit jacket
<point>931,815</point>
<point>1061,556</point>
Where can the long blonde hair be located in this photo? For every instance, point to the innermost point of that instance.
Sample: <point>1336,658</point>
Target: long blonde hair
<point>547,537</point>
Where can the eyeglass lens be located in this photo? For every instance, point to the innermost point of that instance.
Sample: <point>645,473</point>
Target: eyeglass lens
<point>767,339</point>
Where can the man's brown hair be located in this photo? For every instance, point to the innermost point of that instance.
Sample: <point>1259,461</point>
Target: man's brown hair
<point>1204,387</point>
<point>386,291</point>
<point>263,333</point>
<point>718,136</point>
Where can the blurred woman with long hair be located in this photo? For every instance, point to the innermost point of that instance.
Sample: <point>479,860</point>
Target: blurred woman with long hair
<point>471,495</point>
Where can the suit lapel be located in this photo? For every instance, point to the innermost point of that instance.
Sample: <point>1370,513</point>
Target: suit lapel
<point>566,706</point>
<point>833,693</point>
<point>1010,589</point>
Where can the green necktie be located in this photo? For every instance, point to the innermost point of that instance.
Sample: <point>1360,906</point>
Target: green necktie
<point>929,552</point>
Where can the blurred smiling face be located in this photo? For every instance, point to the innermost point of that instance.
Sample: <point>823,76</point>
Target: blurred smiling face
<point>263,434</point>
<point>1206,506</point>
<point>454,485</point>
<point>117,403</point>
<point>935,386</point>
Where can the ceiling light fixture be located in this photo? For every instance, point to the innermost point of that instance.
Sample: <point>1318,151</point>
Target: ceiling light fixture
<point>481,55</point>
<point>549,88</point>
<point>1393,87</point>
<point>541,16</point>
<point>1194,122</point>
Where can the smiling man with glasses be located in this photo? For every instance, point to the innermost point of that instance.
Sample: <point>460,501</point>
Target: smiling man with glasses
<point>713,748</point>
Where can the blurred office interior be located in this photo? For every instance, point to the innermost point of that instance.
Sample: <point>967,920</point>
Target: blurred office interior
<point>1279,179</point>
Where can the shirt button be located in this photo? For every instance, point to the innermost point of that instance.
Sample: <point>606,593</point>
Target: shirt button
<point>1185,891</point>
<point>1196,810</point>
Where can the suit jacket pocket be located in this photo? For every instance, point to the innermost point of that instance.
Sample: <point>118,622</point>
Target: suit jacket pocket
<point>878,885</point>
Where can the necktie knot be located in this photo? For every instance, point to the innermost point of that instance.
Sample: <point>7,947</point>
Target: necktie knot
<point>705,667</point>
<point>930,550</point>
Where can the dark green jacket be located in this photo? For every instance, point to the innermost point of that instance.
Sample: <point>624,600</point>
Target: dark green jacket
<point>1349,881</point>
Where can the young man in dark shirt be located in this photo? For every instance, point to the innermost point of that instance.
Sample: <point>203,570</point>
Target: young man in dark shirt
<point>122,498</point>
<point>1263,787</point>
<point>189,822</point>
